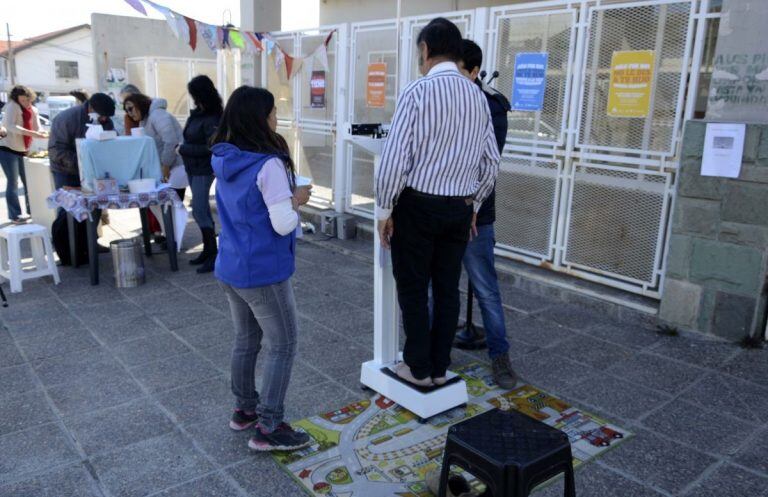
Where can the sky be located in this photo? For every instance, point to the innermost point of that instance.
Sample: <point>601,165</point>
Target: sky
<point>37,17</point>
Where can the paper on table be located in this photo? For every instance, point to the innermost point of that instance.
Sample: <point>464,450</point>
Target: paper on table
<point>723,149</point>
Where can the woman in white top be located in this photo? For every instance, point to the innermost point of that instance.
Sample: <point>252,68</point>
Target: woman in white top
<point>22,125</point>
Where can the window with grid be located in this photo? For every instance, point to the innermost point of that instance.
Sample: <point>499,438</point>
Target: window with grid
<point>66,69</point>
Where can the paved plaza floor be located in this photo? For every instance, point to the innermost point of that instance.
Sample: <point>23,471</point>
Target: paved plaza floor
<point>109,392</point>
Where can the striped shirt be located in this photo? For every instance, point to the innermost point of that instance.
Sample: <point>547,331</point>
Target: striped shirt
<point>441,141</point>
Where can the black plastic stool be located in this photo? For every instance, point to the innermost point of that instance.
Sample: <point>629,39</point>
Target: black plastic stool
<point>508,451</point>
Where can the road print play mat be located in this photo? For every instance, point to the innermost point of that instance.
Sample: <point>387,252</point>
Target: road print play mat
<point>375,448</point>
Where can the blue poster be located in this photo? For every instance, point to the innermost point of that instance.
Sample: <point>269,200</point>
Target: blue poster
<point>529,82</point>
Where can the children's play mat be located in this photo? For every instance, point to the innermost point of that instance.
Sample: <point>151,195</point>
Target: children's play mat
<point>375,448</point>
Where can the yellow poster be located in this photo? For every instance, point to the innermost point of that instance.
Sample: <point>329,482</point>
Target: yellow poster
<point>629,94</point>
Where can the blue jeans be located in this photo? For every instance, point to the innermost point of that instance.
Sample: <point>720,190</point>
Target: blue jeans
<point>479,264</point>
<point>201,207</point>
<point>263,312</point>
<point>13,167</point>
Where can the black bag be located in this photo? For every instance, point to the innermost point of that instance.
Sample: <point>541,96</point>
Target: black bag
<point>60,235</point>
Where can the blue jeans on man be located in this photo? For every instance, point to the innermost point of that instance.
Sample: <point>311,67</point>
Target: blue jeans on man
<point>479,264</point>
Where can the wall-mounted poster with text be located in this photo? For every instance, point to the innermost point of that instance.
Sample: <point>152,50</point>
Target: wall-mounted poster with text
<point>529,82</point>
<point>629,93</point>
<point>376,86</point>
<point>317,90</point>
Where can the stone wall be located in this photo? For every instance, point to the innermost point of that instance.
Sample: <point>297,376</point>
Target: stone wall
<point>716,267</point>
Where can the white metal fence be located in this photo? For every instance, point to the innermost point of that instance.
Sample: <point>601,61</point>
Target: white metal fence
<point>579,190</point>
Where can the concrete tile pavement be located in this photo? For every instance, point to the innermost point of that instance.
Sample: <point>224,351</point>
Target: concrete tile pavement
<point>107,392</point>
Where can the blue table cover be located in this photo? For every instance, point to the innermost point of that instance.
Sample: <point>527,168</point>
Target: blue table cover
<point>124,158</point>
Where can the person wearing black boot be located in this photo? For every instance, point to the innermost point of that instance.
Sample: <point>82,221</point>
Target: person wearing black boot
<point>195,150</point>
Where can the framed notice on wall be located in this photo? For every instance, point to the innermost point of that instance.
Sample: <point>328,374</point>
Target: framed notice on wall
<point>529,81</point>
<point>376,85</point>
<point>629,93</point>
<point>317,90</point>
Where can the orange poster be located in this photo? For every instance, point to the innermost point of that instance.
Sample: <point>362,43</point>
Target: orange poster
<point>376,85</point>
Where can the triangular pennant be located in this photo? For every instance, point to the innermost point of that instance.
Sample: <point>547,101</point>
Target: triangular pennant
<point>259,36</point>
<point>220,37</point>
<point>192,29</point>
<point>208,32</point>
<point>328,38</point>
<point>170,18</point>
<point>279,58</point>
<point>225,37</point>
<point>252,45</point>
<point>321,55</point>
<point>136,4</point>
<point>288,65</point>
<point>182,27</point>
<point>236,39</point>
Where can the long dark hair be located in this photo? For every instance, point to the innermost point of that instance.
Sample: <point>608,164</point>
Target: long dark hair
<point>244,124</point>
<point>141,102</point>
<point>204,94</point>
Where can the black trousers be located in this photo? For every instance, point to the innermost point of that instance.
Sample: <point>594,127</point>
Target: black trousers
<point>430,236</point>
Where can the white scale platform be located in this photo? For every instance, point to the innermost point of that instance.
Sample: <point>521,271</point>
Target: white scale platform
<point>378,374</point>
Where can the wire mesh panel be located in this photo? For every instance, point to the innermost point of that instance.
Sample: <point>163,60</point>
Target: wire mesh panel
<point>309,43</point>
<point>615,218</point>
<point>526,204</point>
<point>662,28</point>
<point>278,82</point>
<point>315,160</point>
<point>360,165</point>
<point>551,33</point>
<point>462,20</point>
<point>373,44</point>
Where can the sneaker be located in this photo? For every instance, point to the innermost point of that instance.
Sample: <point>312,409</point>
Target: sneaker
<point>283,438</point>
<point>403,371</point>
<point>242,421</point>
<point>503,374</point>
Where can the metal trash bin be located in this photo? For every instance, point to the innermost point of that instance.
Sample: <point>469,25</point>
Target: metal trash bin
<point>128,261</point>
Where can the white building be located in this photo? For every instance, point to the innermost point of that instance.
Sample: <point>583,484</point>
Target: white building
<point>54,63</point>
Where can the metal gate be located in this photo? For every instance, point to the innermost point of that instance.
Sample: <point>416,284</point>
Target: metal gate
<point>311,132</point>
<point>580,191</point>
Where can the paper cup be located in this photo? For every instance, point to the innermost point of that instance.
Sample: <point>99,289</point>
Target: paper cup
<point>303,181</point>
<point>137,131</point>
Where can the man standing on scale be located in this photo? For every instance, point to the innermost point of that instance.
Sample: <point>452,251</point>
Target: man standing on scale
<point>438,165</point>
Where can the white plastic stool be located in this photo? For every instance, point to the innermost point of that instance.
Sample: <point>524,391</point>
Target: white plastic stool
<point>10,254</point>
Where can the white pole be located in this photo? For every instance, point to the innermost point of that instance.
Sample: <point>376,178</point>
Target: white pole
<point>399,41</point>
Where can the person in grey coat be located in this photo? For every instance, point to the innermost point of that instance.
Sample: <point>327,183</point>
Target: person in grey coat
<point>160,125</point>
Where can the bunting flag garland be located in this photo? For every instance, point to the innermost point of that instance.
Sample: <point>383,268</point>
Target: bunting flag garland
<point>229,37</point>
<point>192,30</point>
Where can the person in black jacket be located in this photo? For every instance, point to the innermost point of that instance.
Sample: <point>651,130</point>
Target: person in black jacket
<point>479,258</point>
<point>196,152</point>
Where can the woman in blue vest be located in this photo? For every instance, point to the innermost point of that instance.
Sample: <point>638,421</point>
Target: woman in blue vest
<point>258,203</point>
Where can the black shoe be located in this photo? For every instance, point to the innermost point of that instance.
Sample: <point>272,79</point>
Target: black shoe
<point>159,239</point>
<point>208,266</point>
<point>283,438</point>
<point>242,421</point>
<point>199,259</point>
<point>209,247</point>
